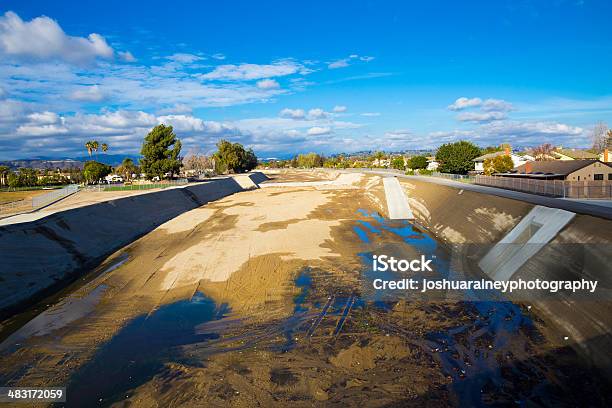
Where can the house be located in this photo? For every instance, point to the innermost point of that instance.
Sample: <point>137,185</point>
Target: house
<point>574,154</point>
<point>432,164</point>
<point>381,163</point>
<point>479,161</point>
<point>113,178</point>
<point>572,170</point>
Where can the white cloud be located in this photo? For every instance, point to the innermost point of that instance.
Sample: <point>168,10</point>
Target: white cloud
<point>398,134</point>
<point>293,113</point>
<point>12,111</point>
<point>182,122</point>
<point>317,113</point>
<point>122,119</point>
<point>218,56</point>
<point>480,116</point>
<point>524,133</point>
<point>41,130</point>
<point>177,109</point>
<point>42,124</point>
<point>444,136</point>
<point>497,105</point>
<point>244,72</point>
<point>339,108</point>
<point>43,39</point>
<point>127,86</point>
<point>370,114</point>
<point>344,62</point>
<point>268,84</point>
<point>126,56</point>
<point>464,103</point>
<point>184,58</point>
<point>533,130</point>
<point>87,94</point>
<point>318,131</point>
<point>44,118</point>
<point>339,64</point>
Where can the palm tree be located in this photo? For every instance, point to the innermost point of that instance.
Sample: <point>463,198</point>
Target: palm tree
<point>4,171</point>
<point>127,168</point>
<point>94,146</point>
<point>104,147</point>
<point>89,147</point>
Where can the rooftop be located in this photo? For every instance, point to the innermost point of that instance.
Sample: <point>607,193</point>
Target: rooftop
<point>578,154</point>
<point>557,167</point>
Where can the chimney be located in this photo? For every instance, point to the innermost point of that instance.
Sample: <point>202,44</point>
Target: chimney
<point>605,155</point>
<point>528,167</point>
<point>507,150</point>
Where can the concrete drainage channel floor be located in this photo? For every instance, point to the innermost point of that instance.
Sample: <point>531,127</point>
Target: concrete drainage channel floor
<point>260,298</point>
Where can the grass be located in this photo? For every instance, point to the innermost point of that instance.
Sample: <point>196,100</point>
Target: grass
<point>31,188</point>
<point>11,196</point>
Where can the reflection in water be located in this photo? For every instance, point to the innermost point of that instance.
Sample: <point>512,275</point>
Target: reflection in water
<point>470,351</point>
<point>476,366</point>
<point>139,350</point>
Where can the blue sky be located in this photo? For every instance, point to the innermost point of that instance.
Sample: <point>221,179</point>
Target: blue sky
<point>286,77</point>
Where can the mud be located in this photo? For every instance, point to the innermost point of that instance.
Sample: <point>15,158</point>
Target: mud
<point>261,299</point>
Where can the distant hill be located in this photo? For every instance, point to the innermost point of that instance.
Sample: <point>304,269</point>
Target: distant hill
<point>111,159</point>
<point>66,163</point>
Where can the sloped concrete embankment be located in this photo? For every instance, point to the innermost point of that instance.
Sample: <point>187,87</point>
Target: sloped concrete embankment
<point>472,223</point>
<point>43,256</point>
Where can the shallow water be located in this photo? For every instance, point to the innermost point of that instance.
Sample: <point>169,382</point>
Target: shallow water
<point>472,355</point>
<point>139,350</point>
<point>469,355</point>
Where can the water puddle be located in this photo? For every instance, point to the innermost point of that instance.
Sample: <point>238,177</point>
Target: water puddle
<point>140,349</point>
<point>468,354</point>
<point>59,316</point>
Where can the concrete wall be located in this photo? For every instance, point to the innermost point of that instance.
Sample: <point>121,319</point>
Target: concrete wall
<point>471,223</point>
<point>42,256</point>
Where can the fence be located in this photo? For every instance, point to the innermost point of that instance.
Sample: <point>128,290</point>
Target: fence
<point>457,177</point>
<point>136,186</point>
<point>554,188</point>
<point>28,204</point>
<point>44,199</point>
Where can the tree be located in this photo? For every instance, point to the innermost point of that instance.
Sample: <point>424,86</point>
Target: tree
<point>499,164</point>
<point>94,146</point>
<point>234,158</point>
<point>310,160</point>
<point>491,149</point>
<point>94,171</point>
<point>4,172</point>
<point>398,163</point>
<point>104,147</point>
<point>600,137</point>
<point>127,168</point>
<point>417,162</point>
<point>89,147</point>
<point>544,152</point>
<point>160,151</point>
<point>198,163</point>
<point>457,157</point>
